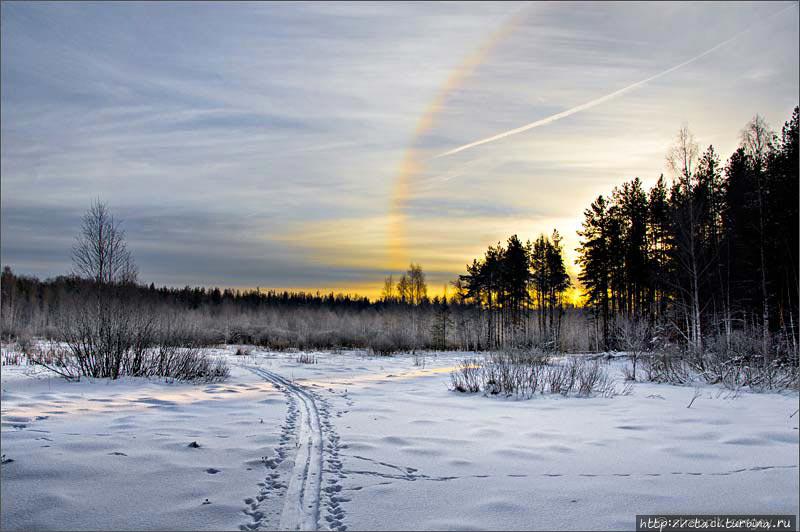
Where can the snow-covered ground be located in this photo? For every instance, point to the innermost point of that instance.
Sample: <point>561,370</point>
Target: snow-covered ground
<point>359,442</point>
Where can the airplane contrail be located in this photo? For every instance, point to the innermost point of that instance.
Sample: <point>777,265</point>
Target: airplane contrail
<point>592,103</point>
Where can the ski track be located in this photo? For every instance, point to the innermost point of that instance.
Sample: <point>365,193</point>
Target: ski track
<point>309,435</point>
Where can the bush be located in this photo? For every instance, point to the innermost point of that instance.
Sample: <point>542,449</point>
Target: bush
<point>169,361</point>
<point>669,366</point>
<point>387,345</point>
<point>278,340</point>
<point>467,377</point>
<point>525,374</point>
<point>112,337</point>
<point>635,337</point>
<point>58,360</point>
<point>306,358</point>
<point>25,343</point>
<point>735,364</point>
<point>590,377</point>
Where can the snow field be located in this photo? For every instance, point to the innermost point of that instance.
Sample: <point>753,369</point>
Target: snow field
<point>358,442</point>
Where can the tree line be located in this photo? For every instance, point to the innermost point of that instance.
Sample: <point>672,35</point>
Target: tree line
<point>707,257</point>
<point>511,281</point>
<point>498,296</point>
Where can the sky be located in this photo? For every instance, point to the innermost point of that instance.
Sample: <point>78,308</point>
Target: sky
<point>306,145</point>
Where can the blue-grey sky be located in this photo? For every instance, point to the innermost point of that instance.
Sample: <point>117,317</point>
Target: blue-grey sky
<point>259,144</point>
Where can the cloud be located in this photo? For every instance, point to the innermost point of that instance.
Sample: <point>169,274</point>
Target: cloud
<point>253,144</point>
<point>598,101</point>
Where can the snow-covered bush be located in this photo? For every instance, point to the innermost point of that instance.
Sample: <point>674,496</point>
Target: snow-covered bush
<point>306,358</point>
<point>514,374</point>
<point>169,361</point>
<point>57,359</point>
<point>112,336</point>
<point>635,336</point>
<point>735,364</point>
<point>389,344</point>
<point>467,377</point>
<point>667,366</point>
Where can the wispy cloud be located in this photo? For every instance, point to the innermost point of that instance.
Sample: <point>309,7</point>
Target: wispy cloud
<point>259,144</point>
<point>598,101</point>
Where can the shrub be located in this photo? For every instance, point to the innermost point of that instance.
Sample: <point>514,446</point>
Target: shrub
<point>525,375</point>
<point>169,361</point>
<point>58,360</point>
<point>467,377</point>
<point>589,377</point>
<point>306,358</point>
<point>113,337</point>
<point>668,366</point>
<point>386,345</point>
<point>635,336</point>
<point>736,363</point>
<point>25,343</point>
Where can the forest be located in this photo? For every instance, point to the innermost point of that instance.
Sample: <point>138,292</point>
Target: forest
<point>705,260</point>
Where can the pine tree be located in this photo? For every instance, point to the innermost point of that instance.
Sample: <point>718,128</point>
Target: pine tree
<point>659,230</point>
<point>595,261</point>
<point>441,322</point>
<point>516,277</point>
<point>557,283</point>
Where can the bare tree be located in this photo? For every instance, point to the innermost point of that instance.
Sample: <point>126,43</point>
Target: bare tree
<point>100,252</point>
<point>757,140</point>
<point>681,159</point>
<point>418,287</point>
<point>417,294</point>
<point>635,335</point>
<point>404,289</point>
<point>682,155</point>
<point>388,289</point>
